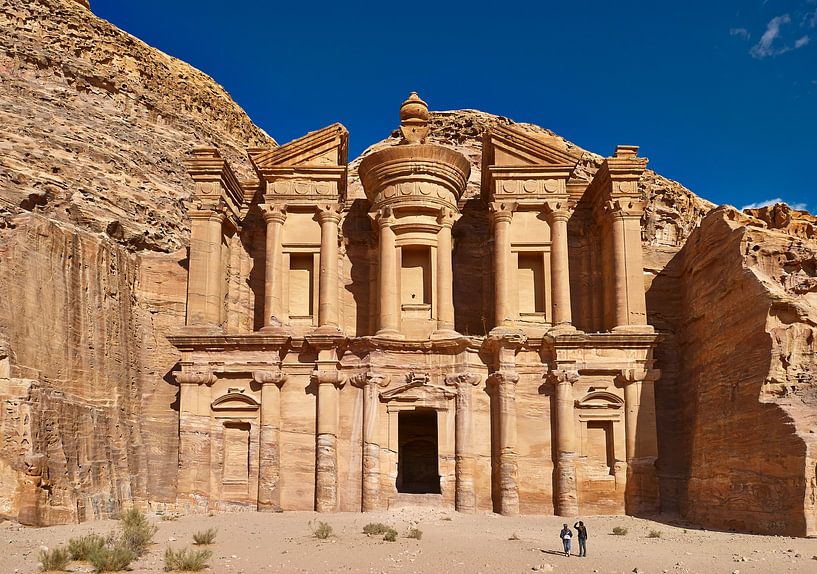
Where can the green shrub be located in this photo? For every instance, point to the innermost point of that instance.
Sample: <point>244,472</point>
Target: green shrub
<point>376,528</point>
<point>186,560</point>
<point>111,558</point>
<point>205,537</point>
<point>415,533</point>
<point>82,547</point>
<point>620,531</point>
<point>654,534</point>
<point>137,532</point>
<point>55,559</point>
<point>322,531</point>
<point>390,535</point>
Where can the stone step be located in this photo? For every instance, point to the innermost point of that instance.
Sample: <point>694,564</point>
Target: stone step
<point>403,500</point>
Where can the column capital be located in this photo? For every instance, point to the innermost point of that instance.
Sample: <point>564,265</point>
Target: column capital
<point>625,208</point>
<point>627,376</point>
<point>562,377</point>
<point>559,210</point>
<point>447,217</point>
<point>275,377</point>
<point>329,212</point>
<point>501,211</point>
<point>503,377</point>
<point>328,377</point>
<point>196,378</point>
<point>361,380</point>
<point>384,217</point>
<point>273,212</point>
<point>462,379</point>
<point>208,211</point>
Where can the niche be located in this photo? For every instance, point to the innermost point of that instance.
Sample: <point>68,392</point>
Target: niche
<point>301,285</point>
<point>415,277</point>
<point>531,285</point>
<point>236,453</point>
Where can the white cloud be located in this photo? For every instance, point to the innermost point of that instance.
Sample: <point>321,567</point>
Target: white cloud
<point>742,33</point>
<point>768,202</point>
<point>801,42</point>
<point>765,46</point>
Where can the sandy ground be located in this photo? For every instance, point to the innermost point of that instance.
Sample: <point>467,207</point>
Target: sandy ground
<point>261,542</point>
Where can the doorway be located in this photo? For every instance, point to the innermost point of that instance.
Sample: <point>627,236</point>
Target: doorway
<point>417,458</point>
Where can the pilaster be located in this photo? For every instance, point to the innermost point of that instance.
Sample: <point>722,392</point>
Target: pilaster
<point>566,503</point>
<point>464,458</point>
<point>370,383</point>
<point>274,216</point>
<point>269,465</point>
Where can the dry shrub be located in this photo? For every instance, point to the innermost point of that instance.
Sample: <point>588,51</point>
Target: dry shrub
<point>377,528</point>
<point>322,531</point>
<point>81,548</point>
<point>205,537</point>
<point>390,535</point>
<point>112,558</point>
<point>415,533</point>
<point>186,560</point>
<point>55,559</point>
<point>620,531</point>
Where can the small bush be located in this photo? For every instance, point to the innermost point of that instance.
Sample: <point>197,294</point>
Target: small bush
<point>169,517</point>
<point>186,560</point>
<point>376,528</point>
<point>322,531</point>
<point>112,558</point>
<point>390,535</point>
<point>654,534</point>
<point>205,537</point>
<point>620,531</point>
<point>137,532</point>
<point>55,559</point>
<point>82,547</point>
<point>415,533</point>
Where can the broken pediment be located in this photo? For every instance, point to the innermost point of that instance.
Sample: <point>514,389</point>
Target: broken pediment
<point>326,147</point>
<point>421,392</point>
<point>507,146</point>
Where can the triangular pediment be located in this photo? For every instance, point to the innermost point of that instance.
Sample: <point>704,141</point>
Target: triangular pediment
<point>326,147</point>
<point>510,146</point>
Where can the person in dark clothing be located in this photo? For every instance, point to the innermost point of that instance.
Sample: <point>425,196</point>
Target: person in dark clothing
<point>566,536</point>
<point>581,532</point>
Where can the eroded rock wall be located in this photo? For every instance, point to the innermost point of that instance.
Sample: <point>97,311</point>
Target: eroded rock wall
<point>741,393</point>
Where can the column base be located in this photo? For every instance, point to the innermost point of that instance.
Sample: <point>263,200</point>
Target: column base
<point>273,330</point>
<point>328,330</point>
<point>444,334</point>
<point>562,329</point>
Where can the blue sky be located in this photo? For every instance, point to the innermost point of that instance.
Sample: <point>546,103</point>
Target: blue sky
<point>720,95</point>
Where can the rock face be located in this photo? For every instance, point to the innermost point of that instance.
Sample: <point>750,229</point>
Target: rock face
<point>94,229</point>
<point>741,400</point>
<point>95,126</point>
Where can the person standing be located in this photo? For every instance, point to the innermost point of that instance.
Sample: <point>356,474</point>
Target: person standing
<point>566,535</point>
<point>581,533</point>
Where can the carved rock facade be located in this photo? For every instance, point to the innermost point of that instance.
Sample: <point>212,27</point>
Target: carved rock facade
<point>353,386</point>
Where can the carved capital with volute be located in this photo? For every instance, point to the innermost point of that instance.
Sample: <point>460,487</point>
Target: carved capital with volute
<point>503,378</point>
<point>628,376</point>
<point>558,210</point>
<point>273,212</point>
<point>625,208</point>
<point>329,212</point>
<point>275,377</point>
<point>462,379</point>
<point>562,377</point>
<point>447,217</point>
<point>361,380</point>
<point>196,378</point>
<point>501,211</point>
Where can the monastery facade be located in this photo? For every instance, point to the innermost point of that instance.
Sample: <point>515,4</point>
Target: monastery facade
<point>417,346</point>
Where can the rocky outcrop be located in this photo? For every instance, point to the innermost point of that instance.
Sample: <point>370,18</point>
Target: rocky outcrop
<point>95,127</point>
<point>738,445</point>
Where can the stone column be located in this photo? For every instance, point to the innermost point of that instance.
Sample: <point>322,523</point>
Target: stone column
<point>389,324</point>
<point>328,315</point>
<point>445,275</point>
<point>628,265</point>
<point>326,442</point>
<point>566,503</point>
<point>204,284</point>
<point>501,215</point>
<point>557,213</point>
<point>274,216</point>
<point>194,434</point>
<point>641,440</point>
<point>269,464</point>
<point>464,498</point>
<point>370,384</point>
<point>505,382</point>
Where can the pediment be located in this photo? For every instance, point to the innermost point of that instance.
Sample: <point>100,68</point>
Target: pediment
<point>509,146</point>
<point>600,400</point>
<point>326,147</point>
<point>419,392</point>
<point>235,401</point>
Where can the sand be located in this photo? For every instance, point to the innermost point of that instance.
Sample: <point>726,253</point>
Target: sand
<point>252,542</point>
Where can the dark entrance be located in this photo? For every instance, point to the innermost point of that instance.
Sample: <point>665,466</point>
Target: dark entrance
<point>417,471</point>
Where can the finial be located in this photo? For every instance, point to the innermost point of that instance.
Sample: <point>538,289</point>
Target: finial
<point>414,119</point>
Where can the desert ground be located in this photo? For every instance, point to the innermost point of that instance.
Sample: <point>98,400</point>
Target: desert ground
<point>253,542</point>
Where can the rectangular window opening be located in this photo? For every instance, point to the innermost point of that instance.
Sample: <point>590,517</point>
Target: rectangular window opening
<point>415,277</point>
<point>300,285</point>
<point>531,284</point>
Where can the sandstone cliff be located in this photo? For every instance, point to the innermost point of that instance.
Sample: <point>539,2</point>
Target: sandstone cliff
<point>94,127</point>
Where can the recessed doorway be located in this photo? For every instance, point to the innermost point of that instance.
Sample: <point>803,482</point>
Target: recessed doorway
<point>417,459</point>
